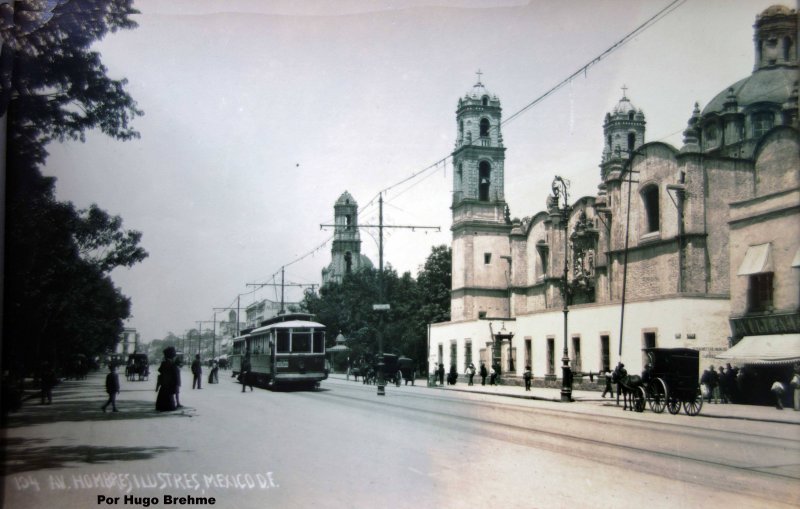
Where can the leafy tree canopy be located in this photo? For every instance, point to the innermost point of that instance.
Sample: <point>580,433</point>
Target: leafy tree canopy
<point>59,298</point>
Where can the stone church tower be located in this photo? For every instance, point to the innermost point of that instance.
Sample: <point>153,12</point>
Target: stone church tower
<point>346,254</point>
<point>481,261</point>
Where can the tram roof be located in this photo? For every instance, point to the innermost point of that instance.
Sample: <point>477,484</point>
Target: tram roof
<point>290,324</point>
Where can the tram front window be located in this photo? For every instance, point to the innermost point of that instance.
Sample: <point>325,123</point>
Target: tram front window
<point>319,341</point>
<point>301,341</point>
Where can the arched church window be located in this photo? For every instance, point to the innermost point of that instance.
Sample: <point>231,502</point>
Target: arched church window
<point>631,141</point>
<point>484,127</point>
<point>609,141</point>
<point>348,262</point>
<point>347,221</point>
<point>630,115</point>
<point>460,127</point>
<point>787,47</point>
<point>651,208</point>
<point>762,122</point>
<point>485,100</point>
<point>484,180</point>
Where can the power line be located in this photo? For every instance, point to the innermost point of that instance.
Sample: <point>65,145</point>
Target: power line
<point>669,8</point>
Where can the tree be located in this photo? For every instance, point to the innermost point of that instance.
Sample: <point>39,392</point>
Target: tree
<point>59,299</point>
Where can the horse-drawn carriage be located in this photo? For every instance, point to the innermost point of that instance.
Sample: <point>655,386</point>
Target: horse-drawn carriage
<point>670,380</point>
<point>392,370</point>
<point>138,367</point>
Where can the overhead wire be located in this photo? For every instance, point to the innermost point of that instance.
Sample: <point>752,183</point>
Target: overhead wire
<point>669,8</point>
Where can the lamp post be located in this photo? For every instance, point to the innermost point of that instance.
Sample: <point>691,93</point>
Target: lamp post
<point>560,188</point>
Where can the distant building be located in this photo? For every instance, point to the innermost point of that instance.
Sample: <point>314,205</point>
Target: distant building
<point>711,234</point>
<point>346,254</point>
<point>128,342</point>
<point>262,310</point>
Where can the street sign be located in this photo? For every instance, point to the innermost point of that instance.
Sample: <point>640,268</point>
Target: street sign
<point>380,307</point>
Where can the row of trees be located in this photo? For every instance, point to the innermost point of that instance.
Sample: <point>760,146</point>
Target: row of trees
<point>59,298</point>
<point>346,307</point>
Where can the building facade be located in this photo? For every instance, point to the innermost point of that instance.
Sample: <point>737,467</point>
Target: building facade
<point>675,232</point>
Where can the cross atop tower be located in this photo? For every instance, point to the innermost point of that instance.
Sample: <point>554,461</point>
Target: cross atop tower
<point>479,73</point>
<point>624,90</point>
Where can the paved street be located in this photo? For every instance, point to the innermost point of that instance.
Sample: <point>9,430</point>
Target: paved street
<point>344,446</point>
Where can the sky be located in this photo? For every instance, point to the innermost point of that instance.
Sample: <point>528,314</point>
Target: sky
<point>260,114</point>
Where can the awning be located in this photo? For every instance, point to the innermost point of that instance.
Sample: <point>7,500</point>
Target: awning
<point>337,348</point>
<point>756,261</point>
<point>772,349</point>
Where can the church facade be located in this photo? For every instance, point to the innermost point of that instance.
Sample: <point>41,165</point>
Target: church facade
<point>700,242</point>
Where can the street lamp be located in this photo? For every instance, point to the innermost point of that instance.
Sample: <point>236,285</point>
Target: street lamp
<point>560,188</point>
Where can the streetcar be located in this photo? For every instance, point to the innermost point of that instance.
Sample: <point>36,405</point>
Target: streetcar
<point>287,350</point>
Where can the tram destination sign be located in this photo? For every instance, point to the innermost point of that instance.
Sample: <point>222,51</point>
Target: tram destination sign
<point>380,307</point>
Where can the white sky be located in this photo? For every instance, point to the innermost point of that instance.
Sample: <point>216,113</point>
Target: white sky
<point>259,114</point>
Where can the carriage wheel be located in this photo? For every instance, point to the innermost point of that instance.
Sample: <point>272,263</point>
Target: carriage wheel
<point>673,405</point>
<point>692,407</point>
<point>639,399</point>
<point>658,395</point>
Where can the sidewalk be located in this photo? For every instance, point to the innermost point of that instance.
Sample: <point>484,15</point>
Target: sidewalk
<point>709,410</point>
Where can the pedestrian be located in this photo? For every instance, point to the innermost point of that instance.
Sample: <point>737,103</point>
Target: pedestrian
<point>245,376</point>
<point>471,372</point>
<point>169,382</point>
<point>441,374</point>
<point>493,375</point>
<point>619,376</point>
<point>112,388</point>
<point>484,373</point>
<point>778,389</point>
<point>215,372</point>
<point>197,371</point>
<point>452,376</point>
<point>609,388</point>
<point>795,383</point>
<point>707,383</point>
<point>527,376</point>
<point>722,385</point>
<point>730,383</point>
<point>47,380</point>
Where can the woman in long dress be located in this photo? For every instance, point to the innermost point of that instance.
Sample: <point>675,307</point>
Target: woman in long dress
<point>168,381</point>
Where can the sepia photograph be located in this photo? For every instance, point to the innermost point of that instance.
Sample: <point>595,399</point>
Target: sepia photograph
<point>400,253</point>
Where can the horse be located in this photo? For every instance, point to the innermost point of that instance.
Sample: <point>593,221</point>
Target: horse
<point>626,386</point>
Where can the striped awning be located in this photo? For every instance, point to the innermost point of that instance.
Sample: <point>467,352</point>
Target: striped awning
<point>771,349</point>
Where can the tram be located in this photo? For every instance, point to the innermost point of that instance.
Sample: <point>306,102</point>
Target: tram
<point>287,350</point>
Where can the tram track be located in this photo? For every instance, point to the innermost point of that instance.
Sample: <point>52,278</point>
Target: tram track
<point>670,450</point>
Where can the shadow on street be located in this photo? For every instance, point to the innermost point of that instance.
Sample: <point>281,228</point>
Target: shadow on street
<point>22,455</point>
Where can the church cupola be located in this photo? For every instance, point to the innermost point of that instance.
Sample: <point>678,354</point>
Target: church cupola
<point>624,129</point>
<point>776,38</point>
<point>346,256</point>
<point>479,153</point>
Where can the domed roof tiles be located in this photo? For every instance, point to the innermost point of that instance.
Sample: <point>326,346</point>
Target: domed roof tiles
<point>773,85</point>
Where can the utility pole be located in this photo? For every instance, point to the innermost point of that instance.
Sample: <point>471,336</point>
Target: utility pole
<point>283,285</point>
<point>200,333</point>
<point>382,306</point>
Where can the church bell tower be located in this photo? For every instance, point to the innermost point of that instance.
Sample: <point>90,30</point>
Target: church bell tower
<point>481,262</point>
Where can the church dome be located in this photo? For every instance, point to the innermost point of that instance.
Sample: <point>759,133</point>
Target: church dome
<point>773,85</point>
<point>346,199</point>
<point>624,106</point>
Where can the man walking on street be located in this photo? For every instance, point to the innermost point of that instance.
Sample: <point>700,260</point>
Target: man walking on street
<point>112,388</point>
<point>197,371</point>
